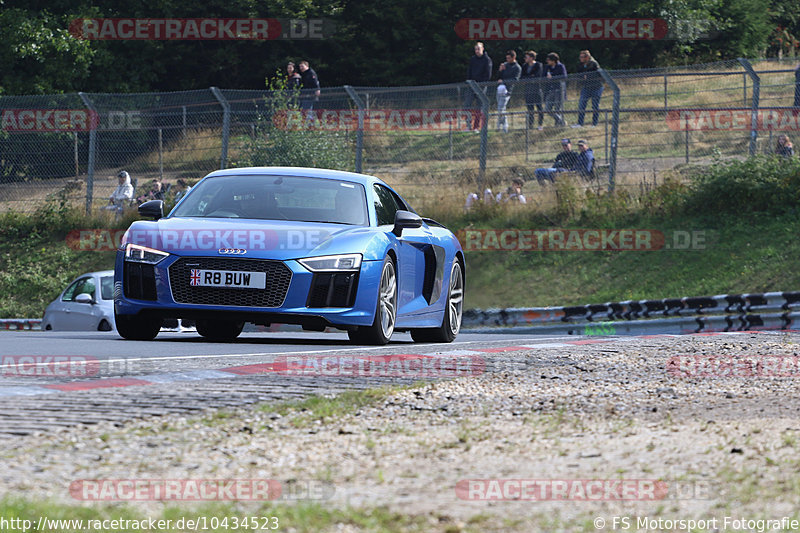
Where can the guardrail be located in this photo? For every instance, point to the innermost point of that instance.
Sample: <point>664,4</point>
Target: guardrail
<point>724,312</point>
<point>696,314</point>
<point>20,323</point>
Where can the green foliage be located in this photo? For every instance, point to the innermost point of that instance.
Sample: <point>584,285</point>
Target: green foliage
<point>766,184</point>
<point>36,262</point>
<point>409,42</point>
<point>281,138</point>
<point>38,54</point>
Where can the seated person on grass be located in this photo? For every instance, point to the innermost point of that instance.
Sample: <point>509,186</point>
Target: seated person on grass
<point>566,161</point>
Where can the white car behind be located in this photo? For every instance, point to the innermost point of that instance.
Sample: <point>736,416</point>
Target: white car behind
<point>87,304</point>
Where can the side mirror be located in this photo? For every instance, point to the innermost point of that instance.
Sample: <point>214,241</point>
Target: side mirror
<point>84,298</point>
<point>405,219</point>
<point>153,209</point>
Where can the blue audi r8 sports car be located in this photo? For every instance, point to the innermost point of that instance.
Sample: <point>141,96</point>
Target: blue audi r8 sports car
<point>285,245</point>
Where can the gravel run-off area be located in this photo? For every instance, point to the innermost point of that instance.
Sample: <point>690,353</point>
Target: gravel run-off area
<point>712,419</point>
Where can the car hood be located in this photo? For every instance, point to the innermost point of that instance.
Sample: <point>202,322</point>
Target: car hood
<point>248,238</point>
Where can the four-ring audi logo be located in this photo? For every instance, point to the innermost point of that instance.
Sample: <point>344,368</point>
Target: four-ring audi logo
<point>232,251</point>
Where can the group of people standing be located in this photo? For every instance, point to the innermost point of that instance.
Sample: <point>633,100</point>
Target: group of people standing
<point>544,86</point>
<point>302,78</point>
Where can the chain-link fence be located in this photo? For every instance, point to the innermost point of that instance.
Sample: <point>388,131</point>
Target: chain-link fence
<point>434,143</point>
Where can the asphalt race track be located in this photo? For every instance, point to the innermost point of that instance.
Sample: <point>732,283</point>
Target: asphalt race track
<point>52,380</point>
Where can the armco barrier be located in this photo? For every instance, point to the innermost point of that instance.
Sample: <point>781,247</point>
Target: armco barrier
<point>20,323</point>
<point>724,312</point>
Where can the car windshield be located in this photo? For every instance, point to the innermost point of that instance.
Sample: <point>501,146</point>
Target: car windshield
<point>266,197</point>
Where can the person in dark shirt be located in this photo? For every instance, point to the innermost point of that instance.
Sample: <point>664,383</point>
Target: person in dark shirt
<point>309,89</point>
<point>531,77</point>
<point>156,192</point>
<point>566,161</point>
<point>554,88</point>
<point>509,74</point>
<point>293,84</point>
<point>293,78</point>
<point>591,86</point>
<point>585,166</point>
<point>479,70</point>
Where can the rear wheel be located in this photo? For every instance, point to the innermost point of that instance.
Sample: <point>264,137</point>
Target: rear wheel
<point>451,322</point>
<point>137,328</point>
<point>104,325</point>
<point>219,330</point>
<point>385,311</point>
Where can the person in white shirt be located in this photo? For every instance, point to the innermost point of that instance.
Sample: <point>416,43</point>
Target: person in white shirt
<point>123,194</point>
<point>513,193</point>
<point>473,197</point>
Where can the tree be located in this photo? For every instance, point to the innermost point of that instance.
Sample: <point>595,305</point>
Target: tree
<point>38,54</point>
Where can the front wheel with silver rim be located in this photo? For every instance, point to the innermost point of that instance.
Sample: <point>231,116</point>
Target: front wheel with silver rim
<point>454,309</point>
<point>385,311</point>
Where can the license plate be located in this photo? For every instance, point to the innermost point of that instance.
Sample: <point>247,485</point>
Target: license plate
<point>228,278</point>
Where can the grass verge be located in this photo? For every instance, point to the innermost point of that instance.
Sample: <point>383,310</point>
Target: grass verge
<point>745,213</point>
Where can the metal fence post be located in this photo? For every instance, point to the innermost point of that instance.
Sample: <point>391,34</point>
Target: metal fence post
<point>754,109</point>
<point>612,160</point>
<point>92,155</point>
<point>484,100</point>
<point>77,166</point>
<point>360,131</point>
<point>160,155</point>
<point>226,125</point>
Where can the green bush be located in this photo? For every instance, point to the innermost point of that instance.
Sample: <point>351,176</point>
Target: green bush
<point>761,184</point>
<point>274,144</point>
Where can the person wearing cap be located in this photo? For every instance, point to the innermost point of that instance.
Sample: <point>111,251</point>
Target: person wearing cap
<point>123,194</point>
<point>585,164</point>
<point>566,161</point>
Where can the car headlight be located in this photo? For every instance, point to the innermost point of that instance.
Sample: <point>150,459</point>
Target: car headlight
<point>332,262</point>
<point>143,254</point>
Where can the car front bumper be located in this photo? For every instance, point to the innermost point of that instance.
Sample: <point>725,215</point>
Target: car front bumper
<point>151,291</point>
